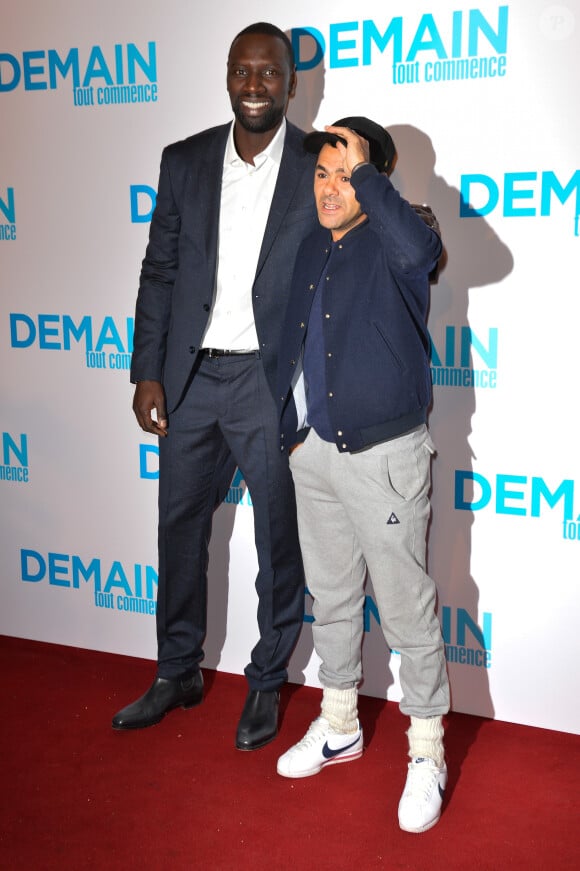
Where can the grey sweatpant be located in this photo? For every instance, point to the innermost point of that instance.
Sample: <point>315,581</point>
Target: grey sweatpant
<point>370,510</point>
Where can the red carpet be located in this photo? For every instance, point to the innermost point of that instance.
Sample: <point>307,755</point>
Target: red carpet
<point>77,795</point>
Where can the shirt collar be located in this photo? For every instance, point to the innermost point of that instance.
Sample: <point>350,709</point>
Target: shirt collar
<point>273,151</point>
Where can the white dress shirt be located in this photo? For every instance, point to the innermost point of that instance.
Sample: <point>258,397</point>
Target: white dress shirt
<point>246,197</point>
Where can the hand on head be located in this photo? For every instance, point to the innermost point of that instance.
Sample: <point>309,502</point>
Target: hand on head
<point>356,150</point>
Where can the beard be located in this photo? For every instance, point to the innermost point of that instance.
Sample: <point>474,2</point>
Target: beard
<point>268,121</point>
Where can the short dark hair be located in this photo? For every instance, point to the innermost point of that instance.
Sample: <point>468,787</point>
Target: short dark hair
<point>262,27</point>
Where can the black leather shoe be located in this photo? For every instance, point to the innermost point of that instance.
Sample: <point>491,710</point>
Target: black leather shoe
<point>161,697</point>
<point>259,721</point>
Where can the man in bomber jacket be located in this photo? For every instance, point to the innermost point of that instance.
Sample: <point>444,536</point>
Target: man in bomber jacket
<point>354,389</point>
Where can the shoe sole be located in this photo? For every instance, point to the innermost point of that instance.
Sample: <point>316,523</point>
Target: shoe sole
<point>418,831</point>
<point>350,757</point>
<point>248,748</point>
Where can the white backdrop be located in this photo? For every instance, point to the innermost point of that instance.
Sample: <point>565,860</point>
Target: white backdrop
<point>482,104</point>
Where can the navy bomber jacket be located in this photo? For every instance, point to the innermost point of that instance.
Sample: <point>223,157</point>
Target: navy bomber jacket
<point>374,302</point>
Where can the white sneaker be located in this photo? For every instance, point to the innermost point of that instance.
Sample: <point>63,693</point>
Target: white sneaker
<point>321,746</point>
<point>420,805</point>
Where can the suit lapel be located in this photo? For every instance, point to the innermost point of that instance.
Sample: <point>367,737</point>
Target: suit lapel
<point>206,189</point>
<point>209,186</point>
<point>289,176</point>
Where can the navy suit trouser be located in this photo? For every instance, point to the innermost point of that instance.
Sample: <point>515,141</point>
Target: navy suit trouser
<point>228,409</point>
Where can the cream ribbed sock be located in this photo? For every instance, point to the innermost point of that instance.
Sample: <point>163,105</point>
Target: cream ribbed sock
<point>426,739</point>
<point>339,707</point>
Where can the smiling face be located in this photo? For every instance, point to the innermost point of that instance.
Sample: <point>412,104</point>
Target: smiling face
<point>260,81</point>
<point>338,208</point>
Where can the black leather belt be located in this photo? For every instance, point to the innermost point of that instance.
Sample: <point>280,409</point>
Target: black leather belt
<point>222,352</point>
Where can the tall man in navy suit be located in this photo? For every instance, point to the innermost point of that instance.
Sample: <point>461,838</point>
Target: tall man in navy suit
<point>233,205</point>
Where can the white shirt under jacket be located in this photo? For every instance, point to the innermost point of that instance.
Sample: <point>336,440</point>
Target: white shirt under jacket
<point>246,197</point>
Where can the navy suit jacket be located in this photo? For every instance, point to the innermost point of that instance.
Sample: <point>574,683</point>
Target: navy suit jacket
<point>178,273</point>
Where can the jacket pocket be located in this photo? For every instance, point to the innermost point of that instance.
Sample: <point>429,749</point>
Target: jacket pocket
<point>386,341</point>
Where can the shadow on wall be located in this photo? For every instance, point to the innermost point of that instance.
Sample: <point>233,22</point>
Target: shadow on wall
<point>304,108</point>
<point>474,257</point>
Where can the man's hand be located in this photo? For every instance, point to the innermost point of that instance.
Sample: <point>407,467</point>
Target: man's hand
<point>427,216</point>
<point>150,395</point>
<point>357,148</point>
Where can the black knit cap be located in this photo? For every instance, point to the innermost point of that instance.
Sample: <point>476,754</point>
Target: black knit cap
<point>381,146</point>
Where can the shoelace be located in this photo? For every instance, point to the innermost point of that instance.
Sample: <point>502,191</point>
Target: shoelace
<point>422,780</point>
<point>316,731</point>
